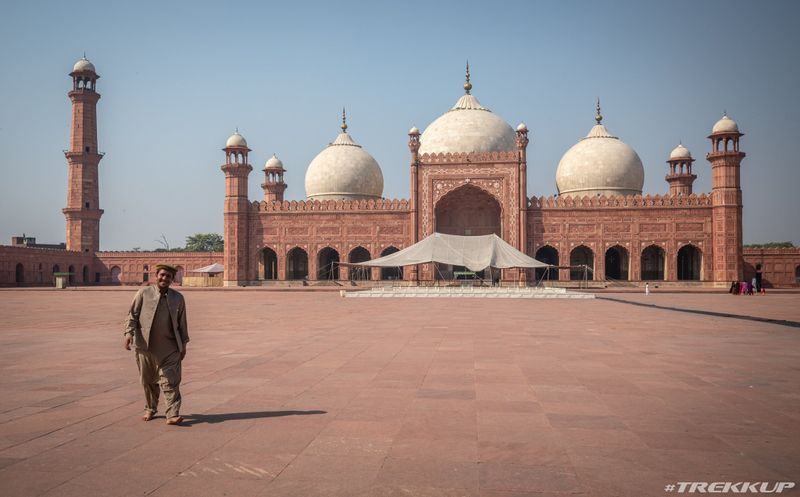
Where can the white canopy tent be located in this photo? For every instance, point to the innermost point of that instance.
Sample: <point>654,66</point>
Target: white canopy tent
<point>212,269</point>
<point>473,252</point>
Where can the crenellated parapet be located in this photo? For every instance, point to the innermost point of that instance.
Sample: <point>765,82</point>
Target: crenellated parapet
<point>613,202</point>
<point>374,205</point>
<point>461,158</point>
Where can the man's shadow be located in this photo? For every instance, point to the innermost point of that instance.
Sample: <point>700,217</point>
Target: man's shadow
<point>194,419</point>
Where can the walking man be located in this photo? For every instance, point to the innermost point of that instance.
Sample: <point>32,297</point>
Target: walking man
<point>156,327</point>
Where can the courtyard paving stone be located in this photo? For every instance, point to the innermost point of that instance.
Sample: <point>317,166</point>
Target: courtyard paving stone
<point>296,393</point>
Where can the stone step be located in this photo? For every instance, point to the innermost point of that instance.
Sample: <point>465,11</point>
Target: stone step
<point>467,292</point>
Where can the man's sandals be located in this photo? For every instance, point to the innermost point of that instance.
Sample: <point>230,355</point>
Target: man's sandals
<point>175,420</point>
<point>148,415</point>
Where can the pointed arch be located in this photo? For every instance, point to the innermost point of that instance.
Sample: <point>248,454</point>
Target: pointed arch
<point>581,256</point>
<point>357,273</point>
<point>549,255</point>
<point>468,210</point>
<point>617,263</point>
<point>652,263</point>
<point>328,264</point>
<point>296,264</point>
<point>391,273</point>
<point>690,263</point>
<point>269,261</point>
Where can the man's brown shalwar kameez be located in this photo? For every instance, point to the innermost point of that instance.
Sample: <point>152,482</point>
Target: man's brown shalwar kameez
<point>157,322</point>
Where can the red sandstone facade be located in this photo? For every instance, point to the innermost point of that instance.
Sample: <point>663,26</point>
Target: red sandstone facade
<point>676,237</point>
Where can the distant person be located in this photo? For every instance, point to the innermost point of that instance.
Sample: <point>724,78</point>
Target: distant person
<point>753,284</point>
<point>647,288</point>
<point>156,327</point>
<point>759,280</point>
<point>742,288</point>
<point>734,289</point>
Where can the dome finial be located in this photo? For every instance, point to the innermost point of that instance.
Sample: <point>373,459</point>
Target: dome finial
<point>467,85</point>
<point>599,116</point>
<point>344,121</point>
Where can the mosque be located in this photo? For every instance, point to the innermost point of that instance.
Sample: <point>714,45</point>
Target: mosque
<point>468,176</point>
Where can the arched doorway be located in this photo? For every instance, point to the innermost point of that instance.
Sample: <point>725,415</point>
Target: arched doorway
<point>359,273</point>
<point>653,263</point>
<point>548,255</point>
<point>328,264</point>
<point>468,210</point>
<point>71,276</point>
<point>581,256</point>
<point>617,263</point>
<point>797,275</point>
<point>85,274</point>
<point>179,275</point>
<point>19,276</point>
<point>296,264</point>
<point>56,269</point>
<point>115,272</point>
<point>690,260</point>
<point>391,273</point>
<point>269,259</point>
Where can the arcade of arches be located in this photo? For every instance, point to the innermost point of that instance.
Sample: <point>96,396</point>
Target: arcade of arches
<point>328,265</point>
<point>617,267</point>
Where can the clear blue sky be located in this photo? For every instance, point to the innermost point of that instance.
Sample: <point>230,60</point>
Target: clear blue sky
<point>178,77</point>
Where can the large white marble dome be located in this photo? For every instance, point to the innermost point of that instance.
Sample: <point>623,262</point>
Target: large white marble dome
<point>600,164</point>
<point>344,171</point>
<point>467,127</point>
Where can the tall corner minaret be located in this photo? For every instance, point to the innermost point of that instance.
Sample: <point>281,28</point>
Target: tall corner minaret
<point>83,195</point>
<point>726,199</point>
<point>273,184</point>
<point>236,212</point>
<point>680,177</point>
<point>522,147</point>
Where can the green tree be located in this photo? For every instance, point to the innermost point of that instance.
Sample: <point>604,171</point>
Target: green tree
<point>204,242</point>
<point>771,245</point>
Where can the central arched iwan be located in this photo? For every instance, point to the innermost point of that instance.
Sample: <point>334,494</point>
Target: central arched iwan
<point>468,210</point>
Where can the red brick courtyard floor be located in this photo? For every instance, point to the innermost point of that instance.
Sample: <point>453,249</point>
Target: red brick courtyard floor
<point>310,394</point>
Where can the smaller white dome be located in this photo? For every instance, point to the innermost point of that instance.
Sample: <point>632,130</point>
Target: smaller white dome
<point>273,163</point>
<point>236,140</point>
<point>83,65</point>
<point>344,171</point>
<point>725,125</point>
<point>680,152</point>
<point>522,127</point>
<point>413,131</point>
